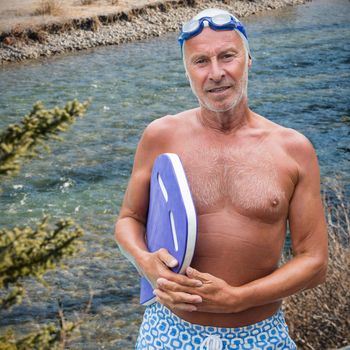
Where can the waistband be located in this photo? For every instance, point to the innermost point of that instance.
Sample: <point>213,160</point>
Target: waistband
<point>276,320</point>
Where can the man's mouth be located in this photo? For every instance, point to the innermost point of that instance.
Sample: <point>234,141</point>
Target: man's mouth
<point>218,89</point>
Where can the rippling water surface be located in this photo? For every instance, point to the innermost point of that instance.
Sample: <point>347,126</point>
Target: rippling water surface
<point>299,78</point>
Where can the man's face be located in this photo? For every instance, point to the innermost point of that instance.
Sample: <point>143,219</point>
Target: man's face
<point>217,68</point>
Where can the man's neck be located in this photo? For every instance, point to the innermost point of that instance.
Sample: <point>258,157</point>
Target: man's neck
<point>225,122</point>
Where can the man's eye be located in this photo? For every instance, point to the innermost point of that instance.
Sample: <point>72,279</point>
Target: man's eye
<point>228,56</point>
<point>200,61</point>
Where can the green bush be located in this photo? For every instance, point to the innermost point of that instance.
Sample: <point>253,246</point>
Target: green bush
<point>27,251</point>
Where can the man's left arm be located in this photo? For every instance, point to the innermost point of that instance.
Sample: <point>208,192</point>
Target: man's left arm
<point>305,270</point>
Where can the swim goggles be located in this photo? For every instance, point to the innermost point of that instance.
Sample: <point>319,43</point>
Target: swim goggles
<point>217,22</point>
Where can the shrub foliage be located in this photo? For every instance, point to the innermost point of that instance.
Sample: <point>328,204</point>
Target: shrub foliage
<point>27,251</point>
<point>23,140</point>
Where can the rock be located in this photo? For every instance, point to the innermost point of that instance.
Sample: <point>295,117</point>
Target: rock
<point>8,40</point>
<point>151,21</point>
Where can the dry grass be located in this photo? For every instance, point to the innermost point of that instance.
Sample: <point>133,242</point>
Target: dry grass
<point>27,13</point>
<point>49,7</point>
<point>320,318</point>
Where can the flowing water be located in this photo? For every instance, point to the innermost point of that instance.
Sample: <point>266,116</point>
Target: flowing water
<point>300,79</point>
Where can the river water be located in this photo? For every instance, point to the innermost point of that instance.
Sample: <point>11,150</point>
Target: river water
<point>300,79</point>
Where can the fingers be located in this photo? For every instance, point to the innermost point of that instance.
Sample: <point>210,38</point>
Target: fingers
<point>168,259</point>
<point>179,280</point>
<point>179,297</point>
<point>191,272</point>
<point>186,281</point>
<point>169,285</point>
<point>178,301</point>
<point>195,274</point>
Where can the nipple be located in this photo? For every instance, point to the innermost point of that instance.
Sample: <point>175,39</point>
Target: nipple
<point>275,202</point>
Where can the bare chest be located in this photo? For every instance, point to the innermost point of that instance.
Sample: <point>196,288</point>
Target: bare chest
<point>253,184</point>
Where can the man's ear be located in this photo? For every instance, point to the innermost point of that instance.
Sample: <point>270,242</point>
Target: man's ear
<point>250,61</point>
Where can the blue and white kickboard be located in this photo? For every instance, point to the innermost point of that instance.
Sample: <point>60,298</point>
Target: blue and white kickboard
<point>171,221</point>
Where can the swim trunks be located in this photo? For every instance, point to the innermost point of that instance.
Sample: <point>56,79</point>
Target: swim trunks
<point>162,329</point>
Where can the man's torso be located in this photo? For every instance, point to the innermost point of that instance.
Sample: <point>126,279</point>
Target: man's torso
<point>241,184</point>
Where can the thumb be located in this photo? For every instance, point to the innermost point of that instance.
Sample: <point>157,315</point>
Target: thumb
<point>167,259</point>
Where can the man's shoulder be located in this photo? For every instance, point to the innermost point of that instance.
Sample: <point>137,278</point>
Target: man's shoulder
<point>288,137</point>
<point>166,126</point>
<point>294,143</point>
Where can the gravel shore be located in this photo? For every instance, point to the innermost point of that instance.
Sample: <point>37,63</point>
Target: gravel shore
<point>136,24</point>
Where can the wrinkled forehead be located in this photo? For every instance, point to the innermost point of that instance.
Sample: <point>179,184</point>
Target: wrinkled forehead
<point>212,41</point>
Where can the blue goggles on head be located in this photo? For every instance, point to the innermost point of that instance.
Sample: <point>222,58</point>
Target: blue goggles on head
<point>218,22</point>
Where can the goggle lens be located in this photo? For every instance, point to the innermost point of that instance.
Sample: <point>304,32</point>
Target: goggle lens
<point>190,26</point>
<point>221,19</point>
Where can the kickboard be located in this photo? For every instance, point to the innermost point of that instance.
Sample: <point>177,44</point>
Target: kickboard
<point>171,220</point>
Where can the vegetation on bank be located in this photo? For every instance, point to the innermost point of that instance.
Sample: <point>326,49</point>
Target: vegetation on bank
<point>27,251</point>
<point>55,17</point>
<point>57,7</point>
<point>319,318</point>
<point>30,33</point>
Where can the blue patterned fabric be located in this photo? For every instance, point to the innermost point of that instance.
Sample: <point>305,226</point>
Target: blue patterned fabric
<point>162,329</point>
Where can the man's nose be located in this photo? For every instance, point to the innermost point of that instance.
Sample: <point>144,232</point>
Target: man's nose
<point>216,71</point>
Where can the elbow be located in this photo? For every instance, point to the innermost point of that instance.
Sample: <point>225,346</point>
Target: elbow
<point>321,276</point>
<point>320,273</point>
<point>323,272</point>
<point>323,268</point>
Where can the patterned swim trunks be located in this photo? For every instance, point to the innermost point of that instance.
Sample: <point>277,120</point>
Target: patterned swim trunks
<point>162,329</point>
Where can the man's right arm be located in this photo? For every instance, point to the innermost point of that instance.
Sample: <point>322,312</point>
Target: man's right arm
<point>130,227</point>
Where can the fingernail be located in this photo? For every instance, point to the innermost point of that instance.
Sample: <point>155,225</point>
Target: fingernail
<point>173,263</point>
<point>189,270</point>
<point>193,308</point>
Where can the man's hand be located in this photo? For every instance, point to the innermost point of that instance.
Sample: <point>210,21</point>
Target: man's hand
<point>157,266</point>
<point>214,295</point>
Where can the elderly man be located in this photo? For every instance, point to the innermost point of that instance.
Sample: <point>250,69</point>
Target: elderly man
<point>249,178</point>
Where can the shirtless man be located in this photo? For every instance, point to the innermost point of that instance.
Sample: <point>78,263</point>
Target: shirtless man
<point>249,178</point>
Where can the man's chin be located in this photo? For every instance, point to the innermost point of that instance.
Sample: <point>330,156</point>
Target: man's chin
<point>219,107</point>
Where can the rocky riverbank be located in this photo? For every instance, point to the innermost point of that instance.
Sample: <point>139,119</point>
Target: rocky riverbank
<point>138,23</point>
